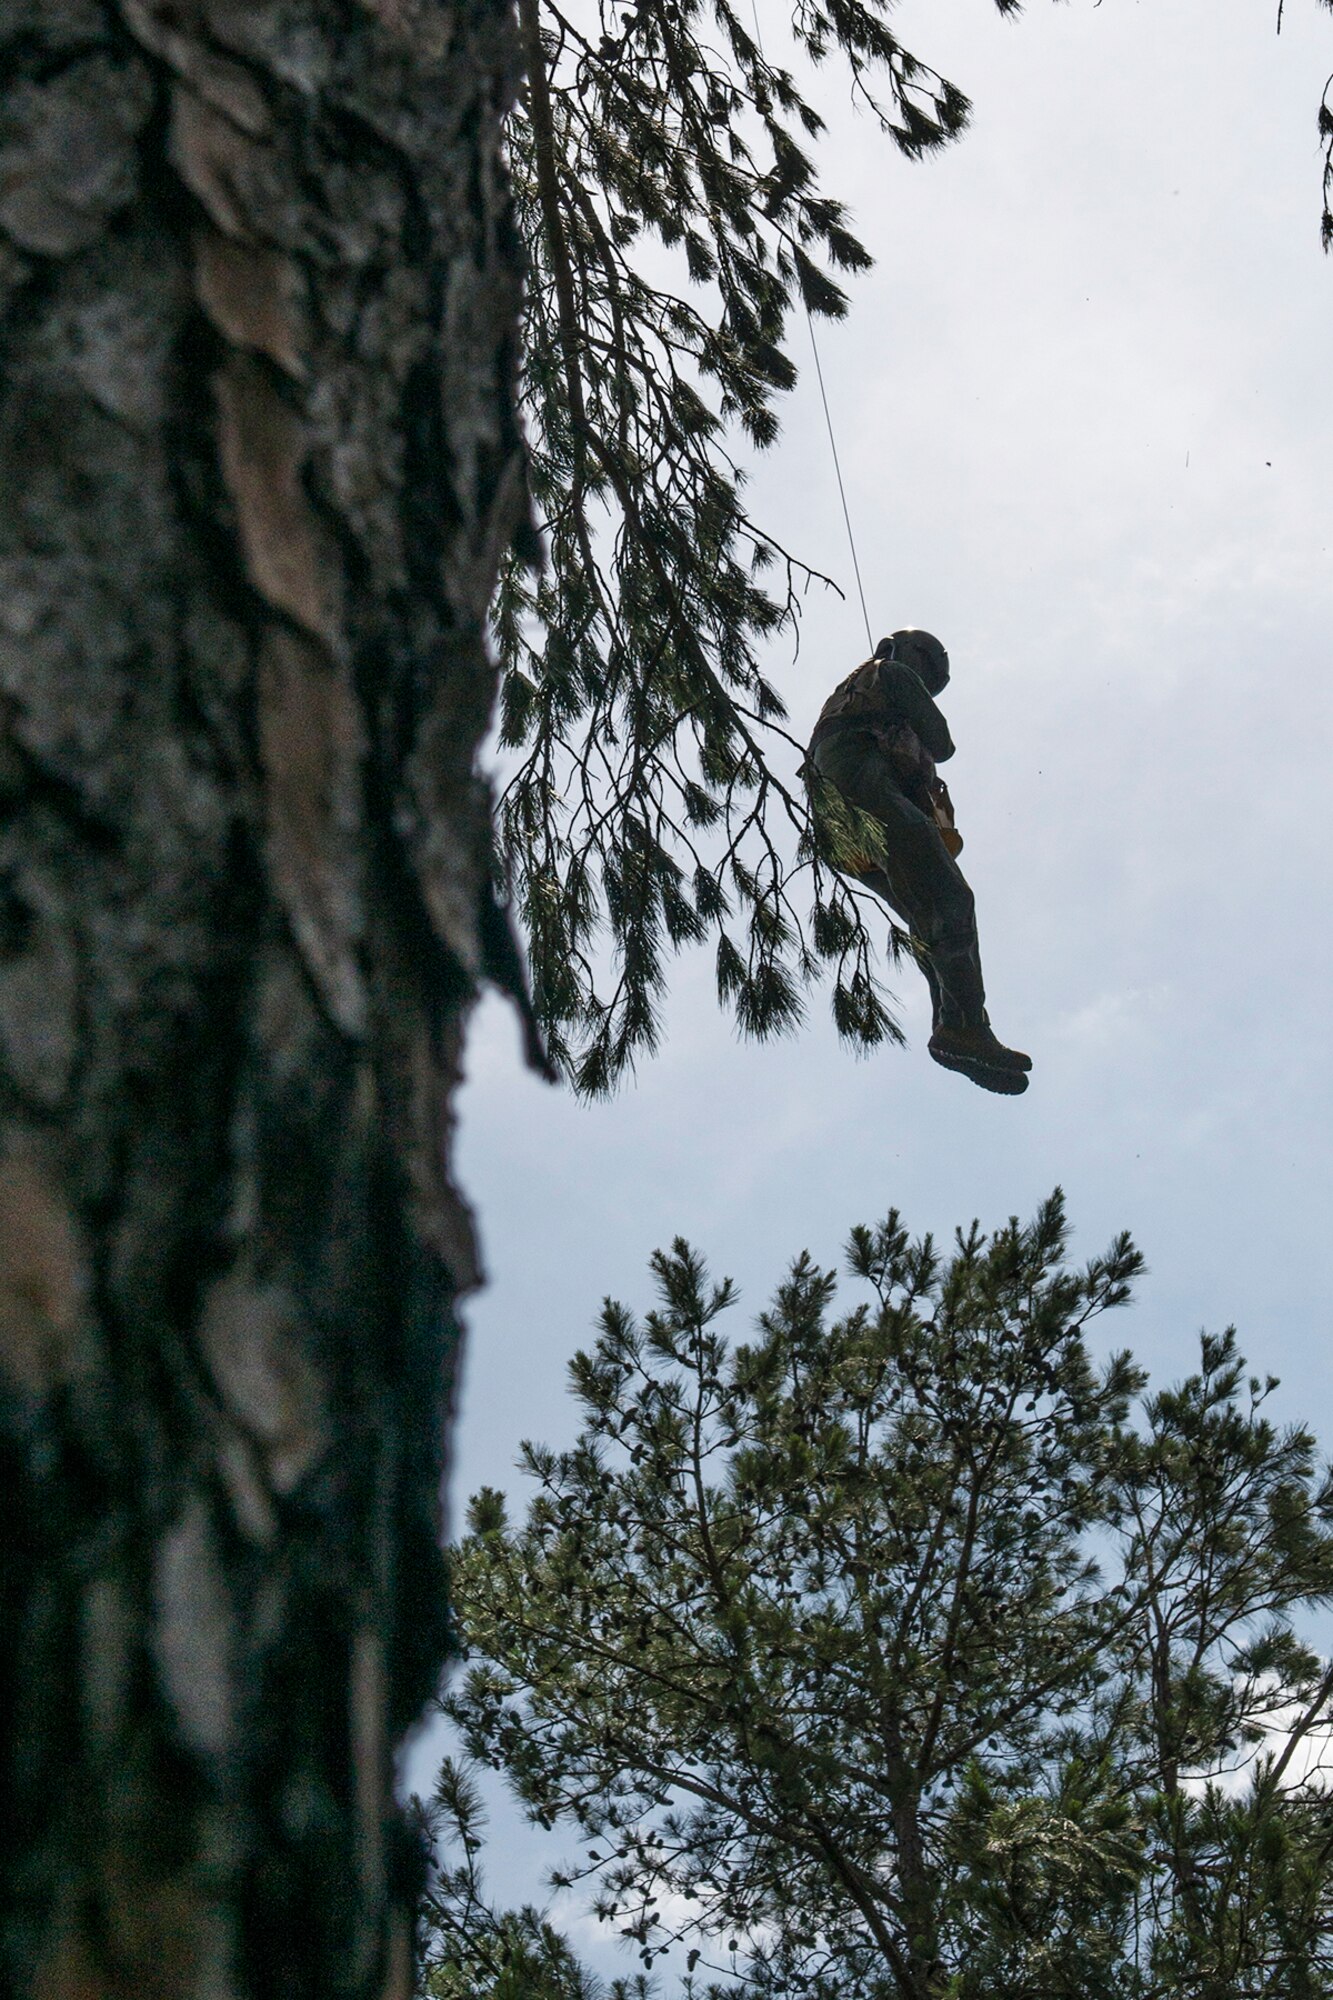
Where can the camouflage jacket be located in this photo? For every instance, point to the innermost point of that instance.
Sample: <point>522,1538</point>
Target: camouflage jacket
<point>886,700</point>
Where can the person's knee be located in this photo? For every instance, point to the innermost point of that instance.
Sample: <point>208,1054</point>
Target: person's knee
<point>954,929</point>
<point>854,768</point>
<point>837,762</point>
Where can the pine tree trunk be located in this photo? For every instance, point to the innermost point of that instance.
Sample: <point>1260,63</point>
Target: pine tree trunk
<point>258,459</point>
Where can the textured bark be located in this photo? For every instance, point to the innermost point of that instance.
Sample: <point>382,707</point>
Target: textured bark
<point>258,301</point>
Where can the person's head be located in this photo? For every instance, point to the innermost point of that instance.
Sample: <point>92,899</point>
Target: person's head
<point>921,653</point>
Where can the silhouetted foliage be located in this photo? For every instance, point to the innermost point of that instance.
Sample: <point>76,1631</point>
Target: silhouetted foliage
<point>673,219</point>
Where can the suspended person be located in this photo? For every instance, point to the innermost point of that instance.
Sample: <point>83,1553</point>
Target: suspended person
<point>877,741</point>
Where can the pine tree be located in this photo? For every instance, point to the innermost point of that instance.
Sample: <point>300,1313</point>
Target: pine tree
<point>910,1653</point>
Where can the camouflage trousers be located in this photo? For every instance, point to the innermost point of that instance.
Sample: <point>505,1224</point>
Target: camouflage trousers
<point>920,880</point>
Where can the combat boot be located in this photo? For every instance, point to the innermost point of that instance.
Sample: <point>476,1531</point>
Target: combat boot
<point>981,1057</point>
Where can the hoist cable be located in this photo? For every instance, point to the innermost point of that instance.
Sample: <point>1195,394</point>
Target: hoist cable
<point>842,493</point>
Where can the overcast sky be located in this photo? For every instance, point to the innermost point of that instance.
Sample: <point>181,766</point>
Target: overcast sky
<point>1086,426</point>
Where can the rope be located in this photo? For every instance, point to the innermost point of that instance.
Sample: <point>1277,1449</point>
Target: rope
<point>828,417</point>
<point>842,493</point>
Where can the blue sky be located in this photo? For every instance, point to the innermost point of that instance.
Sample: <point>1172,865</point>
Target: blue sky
<point>1086,427</point>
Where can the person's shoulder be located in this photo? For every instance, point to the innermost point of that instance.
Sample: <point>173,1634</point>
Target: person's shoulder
<point>857,682</point>
<point>892,678</point>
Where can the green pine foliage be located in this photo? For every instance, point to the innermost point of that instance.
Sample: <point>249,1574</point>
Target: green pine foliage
<point>906,1651</point>
<point>669,203</point>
